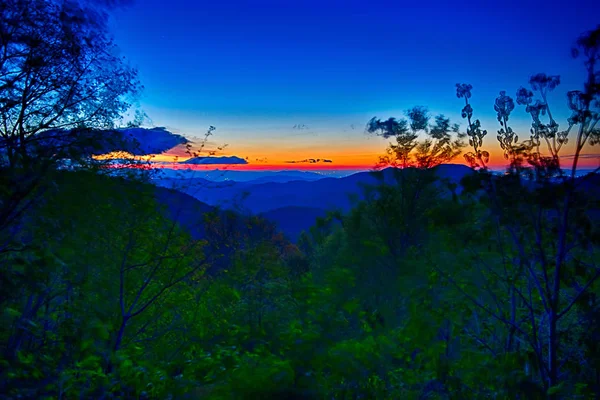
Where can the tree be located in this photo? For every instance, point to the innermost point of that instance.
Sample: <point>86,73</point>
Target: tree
<point>398,205</point>
<point>58,69</point>
<point>439,147</point>
<point>107,282</point>
<point>542,222</point>
<point>60,76</point>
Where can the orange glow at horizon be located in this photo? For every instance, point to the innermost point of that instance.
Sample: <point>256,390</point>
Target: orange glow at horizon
<point>267,167</point>
<point>345,154</point>
<point>365,162</point>
<point>342,159</point>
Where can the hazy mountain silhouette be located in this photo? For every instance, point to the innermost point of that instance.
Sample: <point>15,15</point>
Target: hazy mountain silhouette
<point>293,205</point>
<point>284,178</point>
<point>221,175</point>
<point>186,210</point>
<point>294,220</point>
<point>326,193</point>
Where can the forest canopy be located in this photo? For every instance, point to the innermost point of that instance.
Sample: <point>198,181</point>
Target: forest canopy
<point>424,289</point>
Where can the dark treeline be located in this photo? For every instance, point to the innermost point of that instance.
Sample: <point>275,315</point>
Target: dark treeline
<point>113,288</point>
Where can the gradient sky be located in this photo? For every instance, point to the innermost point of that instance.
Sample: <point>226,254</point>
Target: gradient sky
<point>256,69</point>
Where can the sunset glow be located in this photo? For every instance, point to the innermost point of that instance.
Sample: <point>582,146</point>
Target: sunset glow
<point>353,160</point>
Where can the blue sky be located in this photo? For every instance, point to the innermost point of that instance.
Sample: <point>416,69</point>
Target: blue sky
<point>254,69</point>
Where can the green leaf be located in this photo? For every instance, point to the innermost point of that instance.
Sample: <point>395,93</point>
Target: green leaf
<point>11,312</point>
<point>555,389</point>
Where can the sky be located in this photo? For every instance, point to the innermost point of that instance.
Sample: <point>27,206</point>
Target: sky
<point>290,80</point>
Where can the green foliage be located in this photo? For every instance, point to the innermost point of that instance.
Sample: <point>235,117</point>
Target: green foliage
<point>424,290</point>
<point>406,296</point>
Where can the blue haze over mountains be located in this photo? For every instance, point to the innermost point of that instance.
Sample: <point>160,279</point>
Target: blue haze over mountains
<point>292,199</point>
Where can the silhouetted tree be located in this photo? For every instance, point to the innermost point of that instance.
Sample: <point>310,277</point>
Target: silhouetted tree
<point>543,227</point>
<point>58,69</point>
<point>477,158</point>
<point>437,148</point>
<point>60,76</point>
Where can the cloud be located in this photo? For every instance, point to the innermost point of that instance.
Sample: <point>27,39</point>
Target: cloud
<point>199,146</point>
<point>150,141</point>
<point>309,161</point>
<point>215,160</point>
<point>96,142</point>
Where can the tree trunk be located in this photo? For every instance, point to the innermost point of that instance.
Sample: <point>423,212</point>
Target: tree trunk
<point>120,334</point>
<point>552,353</point>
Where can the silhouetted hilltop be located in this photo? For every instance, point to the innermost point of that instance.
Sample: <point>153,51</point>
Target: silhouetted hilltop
<point>186,210</point>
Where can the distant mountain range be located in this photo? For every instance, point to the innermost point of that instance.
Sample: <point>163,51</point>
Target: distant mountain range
<point>222,175</point>
<point>258,197</point>
<point>293,204</point>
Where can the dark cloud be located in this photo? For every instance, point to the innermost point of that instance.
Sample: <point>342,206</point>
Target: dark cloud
<point>215,160</point>
<point>309,161</point>
<point>137,141</point>
<point>151,141</point>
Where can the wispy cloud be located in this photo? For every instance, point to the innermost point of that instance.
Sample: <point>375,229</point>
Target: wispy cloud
<point>300,127</point>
